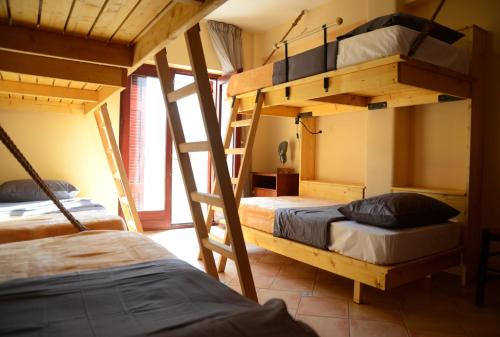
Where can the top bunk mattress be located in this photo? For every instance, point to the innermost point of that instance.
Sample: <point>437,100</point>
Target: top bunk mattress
<point>39,219</point>
<point>373,45</point>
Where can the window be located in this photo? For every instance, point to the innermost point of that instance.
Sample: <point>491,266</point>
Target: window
<point>146,147</point>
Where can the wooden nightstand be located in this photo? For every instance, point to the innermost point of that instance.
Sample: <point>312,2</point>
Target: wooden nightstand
<point>274,184</point>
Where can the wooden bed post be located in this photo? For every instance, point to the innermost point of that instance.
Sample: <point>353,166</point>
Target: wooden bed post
<point>474,223</point>
<point>225,199</point>
<point>307,145</point>
<point>357,297</point>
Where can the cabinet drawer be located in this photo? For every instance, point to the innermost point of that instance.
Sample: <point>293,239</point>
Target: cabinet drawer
<point>263,192</point>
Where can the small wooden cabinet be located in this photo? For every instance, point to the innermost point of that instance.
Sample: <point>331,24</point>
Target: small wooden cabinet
<point>274,184</point>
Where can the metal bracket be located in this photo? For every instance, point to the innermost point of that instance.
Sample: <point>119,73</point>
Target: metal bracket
<point>377,105</point>
<point>287,92</point>
<point>326,83</point>
<point>234,101</point>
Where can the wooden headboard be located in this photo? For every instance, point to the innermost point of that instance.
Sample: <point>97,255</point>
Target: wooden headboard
<point>454,198</point>
<point>331,191</point>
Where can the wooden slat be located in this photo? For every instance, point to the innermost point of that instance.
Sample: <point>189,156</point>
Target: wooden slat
<point>218,247</point>
<point>207,198</point>
<point>62,69</point>
<point>42,43</point>
<point>194,147</point>
<point>177,20</point>
<point>346,99</point>
<point>178,94</point>
<point>235,151</point>
<point>241,123</point>
<point>115,12</point>
<point>142,15</point>
<point>24,11</point>
<point>42,105</point>
<point>83,16</point>
<point>54,14</point>
<point>41,90</point>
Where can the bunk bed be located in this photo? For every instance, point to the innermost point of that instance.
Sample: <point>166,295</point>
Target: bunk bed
<point>377,81</point>
<point>31,220</point>
<point>70,56</point>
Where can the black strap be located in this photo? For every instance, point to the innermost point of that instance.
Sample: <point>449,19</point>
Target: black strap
<point>287,68</point>
<point>326,82</point>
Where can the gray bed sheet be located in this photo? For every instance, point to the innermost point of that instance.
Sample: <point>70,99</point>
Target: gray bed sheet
<point>31,208</point>
<point>158,298</point>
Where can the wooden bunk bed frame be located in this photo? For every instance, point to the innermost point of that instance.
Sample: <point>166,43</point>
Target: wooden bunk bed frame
<point>394,81</point>
<point>69,56</point>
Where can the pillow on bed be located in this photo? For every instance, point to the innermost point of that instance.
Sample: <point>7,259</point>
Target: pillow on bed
<point>28,190</point>
<point>438,31</point>
<point>399,210</point>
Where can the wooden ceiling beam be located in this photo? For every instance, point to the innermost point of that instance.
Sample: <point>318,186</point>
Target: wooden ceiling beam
<point>42,90</point>
<point>181,16</point>
<point>37,42</point>
<point>62,69</point>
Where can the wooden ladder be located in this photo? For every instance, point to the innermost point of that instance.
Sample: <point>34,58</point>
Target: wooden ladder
<point>225,198</point>
<point>251,122</point>
<point>117,169</point>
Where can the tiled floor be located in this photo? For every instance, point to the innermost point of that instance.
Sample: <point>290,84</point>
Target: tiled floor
<point>436,307</point>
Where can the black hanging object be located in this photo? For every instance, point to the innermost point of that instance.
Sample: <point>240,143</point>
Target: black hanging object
<point>326,82</point>
<point>287,65</point>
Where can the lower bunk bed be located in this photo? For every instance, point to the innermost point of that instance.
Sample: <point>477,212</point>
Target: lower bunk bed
<point>383,258</point>
<point>117,283</point>
<point>31,220</point>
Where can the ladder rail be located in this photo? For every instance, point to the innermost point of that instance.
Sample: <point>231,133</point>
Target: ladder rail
<point>244,165</point>
<point>212,128</point>
<point>117,168</point>
<point>175,125</point>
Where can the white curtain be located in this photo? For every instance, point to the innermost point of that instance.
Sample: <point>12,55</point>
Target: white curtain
<point>226,40</point>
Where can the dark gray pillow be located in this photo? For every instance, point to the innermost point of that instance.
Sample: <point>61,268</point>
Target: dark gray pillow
<point>399,210</point>
<point>438,31</point>
<point>28,190</point>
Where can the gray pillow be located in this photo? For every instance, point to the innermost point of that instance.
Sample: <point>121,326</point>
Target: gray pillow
<point>28,190</point>
<point>399,210</point>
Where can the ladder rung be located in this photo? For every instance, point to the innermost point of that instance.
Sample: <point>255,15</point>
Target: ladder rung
<point>241,123</point>
<point>218,247</point>
<point>207,198</point>
<point>235,150</point>
<point>193,147</point>
<point>178,94</point>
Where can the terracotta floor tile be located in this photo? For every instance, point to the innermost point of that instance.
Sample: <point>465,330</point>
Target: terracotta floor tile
<point>362,328</point>
<point>375,312</point>
<point>292,284</point>
<point>299,270</point>
<point>323,306</point>
<point>480,325</point>
<point>291,298</point>
<point>434,334</point>
<point>327,326</point>
<point>273,258</point>
<point>265,269</point>
<point>341,290</point>
<point>261,281</point>
<point>430,320</point>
